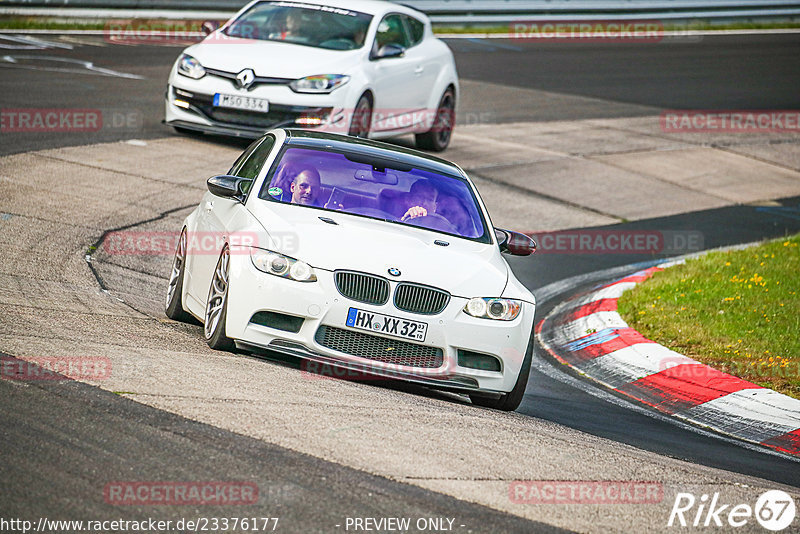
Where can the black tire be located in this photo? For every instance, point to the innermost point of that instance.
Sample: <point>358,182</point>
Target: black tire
<point>174,304</point>
<point>217,305</point>
<point>510,401</point>
<point>362,117</point>
<point>438,137</point>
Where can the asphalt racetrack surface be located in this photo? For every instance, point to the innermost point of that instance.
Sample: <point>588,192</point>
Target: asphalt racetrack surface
<point>592,80</point>
<point>64,440</point>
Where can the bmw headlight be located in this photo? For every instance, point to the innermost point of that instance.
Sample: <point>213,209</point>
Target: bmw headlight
<point>320,83</point>
<point>190,67</point>
<point>493,308</point>
<point>283,266</point>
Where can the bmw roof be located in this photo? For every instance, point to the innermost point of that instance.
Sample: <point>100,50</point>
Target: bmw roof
<point>369,147</point>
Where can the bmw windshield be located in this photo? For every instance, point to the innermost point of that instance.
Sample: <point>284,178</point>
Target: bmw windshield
<point>373,187</point>
<point>305,24</point>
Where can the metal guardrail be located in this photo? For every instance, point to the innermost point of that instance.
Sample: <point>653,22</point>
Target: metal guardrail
<point>488,11</point>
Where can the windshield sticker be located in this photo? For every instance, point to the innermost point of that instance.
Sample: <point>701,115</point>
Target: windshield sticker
<point>275,192</point>
<point>328,9</point>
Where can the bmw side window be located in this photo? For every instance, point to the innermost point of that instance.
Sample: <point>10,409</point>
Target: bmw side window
<point>252,165</point>
<point>416,30</point>
<point>391,31</point>
<point>243,157</point>
<point>253,162</point>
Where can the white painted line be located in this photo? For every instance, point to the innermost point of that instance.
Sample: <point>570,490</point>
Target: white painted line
<point>632,363</point>
<point>612,292</point>
<point>596,388</point>
<point>24,42</point>
<point>87,66</point>
<point>752,415</point>
<point>755,414</point>
<point>585,326</point>
<point>94,13</point>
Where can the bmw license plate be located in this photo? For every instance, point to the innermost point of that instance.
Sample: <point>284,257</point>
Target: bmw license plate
<point>386,324</point>
<point>241,102</point>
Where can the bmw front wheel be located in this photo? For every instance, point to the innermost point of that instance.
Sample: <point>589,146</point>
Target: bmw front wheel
<point>217,305</point>
<point>174,304</point>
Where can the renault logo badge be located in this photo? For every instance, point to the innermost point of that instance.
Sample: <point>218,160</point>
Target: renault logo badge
<point>394,271</point>
<point>245,78</point>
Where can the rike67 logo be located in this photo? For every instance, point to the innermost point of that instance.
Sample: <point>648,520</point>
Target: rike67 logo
<point>774,510</point>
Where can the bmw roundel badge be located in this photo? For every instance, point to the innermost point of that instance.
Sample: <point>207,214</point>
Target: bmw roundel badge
<point>394,271</point>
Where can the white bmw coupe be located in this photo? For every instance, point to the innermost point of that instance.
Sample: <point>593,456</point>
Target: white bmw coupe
<point>361,256</point>
<point>360,67</point>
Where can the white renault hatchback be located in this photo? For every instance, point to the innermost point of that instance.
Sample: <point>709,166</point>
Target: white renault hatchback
<point>360,256</point>
<point>365,68</point>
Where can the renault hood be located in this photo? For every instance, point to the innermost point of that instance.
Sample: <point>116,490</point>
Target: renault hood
<point>271,58</point>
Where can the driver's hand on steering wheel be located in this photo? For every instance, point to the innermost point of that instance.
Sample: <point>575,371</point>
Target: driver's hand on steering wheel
<point>413,213</point>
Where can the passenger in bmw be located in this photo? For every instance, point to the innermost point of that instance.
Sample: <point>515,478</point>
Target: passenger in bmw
<point>456,214</point>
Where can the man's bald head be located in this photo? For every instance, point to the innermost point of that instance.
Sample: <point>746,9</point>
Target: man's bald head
<point>305,187</point>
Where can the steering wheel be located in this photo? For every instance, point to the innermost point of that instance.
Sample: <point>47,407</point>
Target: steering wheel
<point>370,212</point>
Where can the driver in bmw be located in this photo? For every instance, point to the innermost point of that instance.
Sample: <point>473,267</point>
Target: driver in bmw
<point>421,200</point>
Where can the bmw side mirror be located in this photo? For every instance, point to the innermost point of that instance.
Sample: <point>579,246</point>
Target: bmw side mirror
<point>389,51</point>
<point>514,243</point>
<point>229,186</point>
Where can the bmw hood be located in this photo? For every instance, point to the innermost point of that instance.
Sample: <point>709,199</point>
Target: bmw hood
<point>464,268</point>
<point>271,58</point>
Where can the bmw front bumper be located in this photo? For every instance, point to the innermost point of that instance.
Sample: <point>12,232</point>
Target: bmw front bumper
<point>318,306</point>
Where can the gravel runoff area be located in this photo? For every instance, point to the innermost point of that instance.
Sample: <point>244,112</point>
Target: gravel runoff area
<point>55,204</point>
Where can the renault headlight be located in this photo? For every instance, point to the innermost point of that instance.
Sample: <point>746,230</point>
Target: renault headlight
<point>190,67</point>
<point>320,83</point>
<point>283,266</point>
<point>493,308</point>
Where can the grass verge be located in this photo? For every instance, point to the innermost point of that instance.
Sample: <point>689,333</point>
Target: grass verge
<point>736,311</point>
